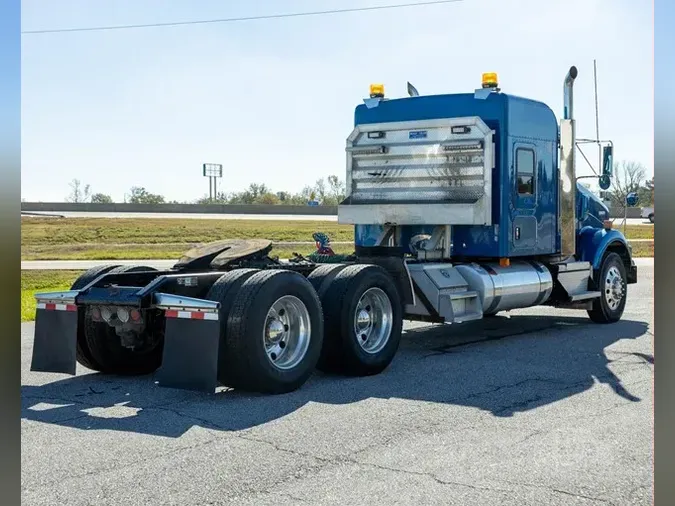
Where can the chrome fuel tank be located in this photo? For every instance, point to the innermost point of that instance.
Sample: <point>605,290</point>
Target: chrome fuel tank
<point>521,284</point>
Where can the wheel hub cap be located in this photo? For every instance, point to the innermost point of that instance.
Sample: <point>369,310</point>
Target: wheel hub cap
<point>287,332</point>
<point>363,319</point>
<point>275,330</point>
<point>373,320</point>
<point>614,288</point>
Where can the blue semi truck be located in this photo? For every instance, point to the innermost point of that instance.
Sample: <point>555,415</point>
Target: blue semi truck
<point>463,205</point>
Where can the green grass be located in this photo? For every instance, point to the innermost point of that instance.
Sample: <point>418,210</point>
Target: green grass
<point>35,281</point>
<point>140,238</point>
<point>68,231</point>
<point>643,249</point>
<point>636,231</point>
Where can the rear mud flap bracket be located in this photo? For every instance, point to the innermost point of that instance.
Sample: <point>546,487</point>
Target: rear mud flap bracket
<point>190,356</point>
<point>55,342</point>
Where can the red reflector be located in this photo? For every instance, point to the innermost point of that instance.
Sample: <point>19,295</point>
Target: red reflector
<point>135,315</point>
<point>197,315</point>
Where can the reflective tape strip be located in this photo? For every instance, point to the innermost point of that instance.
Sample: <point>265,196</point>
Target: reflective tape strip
<point>190,315</point>
<point>56,307</point>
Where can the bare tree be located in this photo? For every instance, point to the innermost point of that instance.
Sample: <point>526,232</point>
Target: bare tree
<point>337,189</point>
<point>320,190</point>
<point>77,193</point>
<point>627,178</point>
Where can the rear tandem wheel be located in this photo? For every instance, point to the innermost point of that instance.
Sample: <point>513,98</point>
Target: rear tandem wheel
<point>83,354</point>
<point>106,347</point>
<point>363,320</point>
<point>271,330</point>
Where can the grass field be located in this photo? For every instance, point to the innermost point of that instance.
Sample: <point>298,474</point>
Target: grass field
<point>131,239</point>
<point>33,282</point>
<point>643,249</point>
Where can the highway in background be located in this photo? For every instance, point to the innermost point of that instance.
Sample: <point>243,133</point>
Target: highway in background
<point>203,216</point>
<point>183,216</point>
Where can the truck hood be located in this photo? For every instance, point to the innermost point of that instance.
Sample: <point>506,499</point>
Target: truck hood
<point>591,210</point>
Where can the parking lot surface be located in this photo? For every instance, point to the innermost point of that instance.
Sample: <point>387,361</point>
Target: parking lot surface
<point>540,406</point>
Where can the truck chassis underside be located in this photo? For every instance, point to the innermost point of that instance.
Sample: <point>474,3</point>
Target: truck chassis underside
<point>254,322</point>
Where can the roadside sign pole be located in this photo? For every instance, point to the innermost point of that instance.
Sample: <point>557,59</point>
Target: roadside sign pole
<point>212,171</point>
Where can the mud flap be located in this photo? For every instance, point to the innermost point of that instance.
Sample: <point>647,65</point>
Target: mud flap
<point>55,342</point>
<point>190,359</point>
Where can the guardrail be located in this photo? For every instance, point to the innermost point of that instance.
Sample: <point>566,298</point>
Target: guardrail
<point>65,207</point>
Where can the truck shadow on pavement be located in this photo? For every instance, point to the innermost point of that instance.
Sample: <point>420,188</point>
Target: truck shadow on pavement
<point>500,365</point>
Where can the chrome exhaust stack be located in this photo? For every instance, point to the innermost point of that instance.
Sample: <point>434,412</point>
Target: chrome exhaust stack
<point>567,207</point>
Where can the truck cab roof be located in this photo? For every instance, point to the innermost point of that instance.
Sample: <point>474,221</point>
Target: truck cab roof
<point>507,114</point>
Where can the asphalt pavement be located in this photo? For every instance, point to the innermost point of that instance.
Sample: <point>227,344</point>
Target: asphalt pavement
<point>542,407</point>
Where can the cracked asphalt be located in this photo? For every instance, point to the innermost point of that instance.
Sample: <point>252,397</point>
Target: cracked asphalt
<point>538,407</point>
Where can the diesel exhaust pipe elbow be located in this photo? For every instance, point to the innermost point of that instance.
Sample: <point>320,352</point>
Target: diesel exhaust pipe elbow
<point>568,100</point>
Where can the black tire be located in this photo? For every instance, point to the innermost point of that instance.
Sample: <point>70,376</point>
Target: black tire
<point>602,311</point>
<point>651,218</point>
<point>83,354</point>
<point>107,350</point>
<point>322,275</point>
<point>249,366</point>
<point>225,291</point>
<point>342,351</point>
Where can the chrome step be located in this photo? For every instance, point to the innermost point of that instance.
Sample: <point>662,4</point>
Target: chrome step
<point>469,294</point>
<point>584,296</point>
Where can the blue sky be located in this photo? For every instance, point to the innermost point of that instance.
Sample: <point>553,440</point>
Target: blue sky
<point>9,60</point>
<point>273,100</point>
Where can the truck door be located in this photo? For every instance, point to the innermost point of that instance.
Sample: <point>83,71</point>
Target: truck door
<point>523,237</point>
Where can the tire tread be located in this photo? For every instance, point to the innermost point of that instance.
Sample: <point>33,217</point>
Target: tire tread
<point>83,353</point>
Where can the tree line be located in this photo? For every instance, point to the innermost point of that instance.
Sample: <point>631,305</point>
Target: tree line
<point>325,191</point>
<point>628,177</point>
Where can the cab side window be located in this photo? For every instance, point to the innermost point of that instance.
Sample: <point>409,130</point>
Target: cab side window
<point>525,171</point>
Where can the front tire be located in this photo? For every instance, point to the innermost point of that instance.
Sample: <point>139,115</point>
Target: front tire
<point>612,284</point>
<point>364,321</point>
<point>651,218</point>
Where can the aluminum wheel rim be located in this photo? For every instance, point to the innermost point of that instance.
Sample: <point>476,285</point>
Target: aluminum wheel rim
<point>373,320</point>
<point>286,332</point>
<point>614,288</point>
